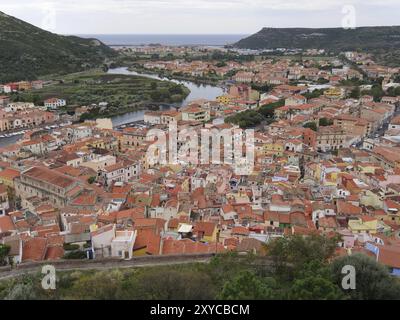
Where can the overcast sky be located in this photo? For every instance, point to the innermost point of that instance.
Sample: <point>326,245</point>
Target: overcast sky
<point>195,16</point>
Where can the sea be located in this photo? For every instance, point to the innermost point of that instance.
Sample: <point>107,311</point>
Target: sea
<point>166,39</point>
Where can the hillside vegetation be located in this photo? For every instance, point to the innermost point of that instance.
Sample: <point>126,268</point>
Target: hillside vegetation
<point>27,52</point>
<point>123,93</point>
<point>333,39</point>
<point>294,268</point>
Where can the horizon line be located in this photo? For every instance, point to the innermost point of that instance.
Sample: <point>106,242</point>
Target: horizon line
<point>226,34</point>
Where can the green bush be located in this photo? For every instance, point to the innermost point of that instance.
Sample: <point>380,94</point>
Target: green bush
<point>75,255</point>
<point>71,247</point>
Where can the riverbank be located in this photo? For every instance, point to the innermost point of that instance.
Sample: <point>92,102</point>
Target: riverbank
<point>170,75</point>
<point>127,113</point>
<point>108,94</point>
<point>197,91</point>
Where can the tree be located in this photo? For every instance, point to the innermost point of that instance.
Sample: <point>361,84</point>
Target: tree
<point>91,180</point>
<point>261,87</point>
<point>324,122</point>
<point>153,86</point>
<point>311,125</point>
<point>314,288</point>
<point>268,110</point>
<point>245,119</point>
<point>26,287</point>
<point>315,282</point>
<point>175,89</point>
<point>22,291</point>
<point>376,91</point>
<point>292,253</point>
<point>394,92</point>
<point>169,284</point>
<point>355,93</point>
<point>4,251</point>
<point>248,286</point>
<point>314,94</point>
<point>97,286</point>
<point>373,281</point>
<point>323,81</point>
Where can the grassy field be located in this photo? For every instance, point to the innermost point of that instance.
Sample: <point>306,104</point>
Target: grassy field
<point>95,86</point>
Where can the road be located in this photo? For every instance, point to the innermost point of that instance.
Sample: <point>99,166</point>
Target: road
<point>106,264</point>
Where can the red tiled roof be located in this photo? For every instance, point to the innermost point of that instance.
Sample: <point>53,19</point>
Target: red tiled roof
<point>50,176</point>
<point>204,227</point>
<point>240,231</point>
<point>54,253</point>
<point>6,224</point>
<point>34,249</point>
<point>9,174</point>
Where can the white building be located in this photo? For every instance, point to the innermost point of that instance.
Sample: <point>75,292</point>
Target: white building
<point>120,172</point>
<point>55,103</point>
<point>107,242</point>
<point>122,244</point>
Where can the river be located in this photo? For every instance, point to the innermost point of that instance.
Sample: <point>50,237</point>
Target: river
<point>9,140</point>
<point>197,91</point>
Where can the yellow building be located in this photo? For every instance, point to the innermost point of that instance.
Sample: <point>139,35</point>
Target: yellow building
<point>207,231</point>
<point>334,93</point>
<point>225,99</point>
<point>94,143</point>
<point>367,168</point>
<point>365,224</point>
<point>371,199</point>
<point>24,85</point>
<point>331,179</point>
<point>7,177</point>
<point>275,148</point>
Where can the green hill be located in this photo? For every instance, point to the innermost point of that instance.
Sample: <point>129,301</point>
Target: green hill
<point>333,39</point>
<point>27,52</point>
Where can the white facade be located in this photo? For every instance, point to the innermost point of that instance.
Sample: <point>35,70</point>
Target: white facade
<point>122,244</point>
<point>55,103</point>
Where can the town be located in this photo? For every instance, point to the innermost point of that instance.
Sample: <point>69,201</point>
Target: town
<point>327,162</point>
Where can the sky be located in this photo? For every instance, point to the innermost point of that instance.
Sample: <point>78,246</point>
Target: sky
<point>197,16</point>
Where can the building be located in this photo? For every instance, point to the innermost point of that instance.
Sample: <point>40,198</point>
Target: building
<point>107,242</point>
<point>4,101</point>
<point>353,125</point>
<point>55,103</point>
<point>296,99</point>
<point>123,171</point>
<point>243,76</point>
<point>395,123</point>
<point>8,176</point>
<point>4,204</point>
<point>330,138</point>
<point>122,244</point>
<point>45,183</point>
<point>195,113</point>
<point>133,137</point>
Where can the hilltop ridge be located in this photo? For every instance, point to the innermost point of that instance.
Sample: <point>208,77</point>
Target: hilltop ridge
<point>334,39</point>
